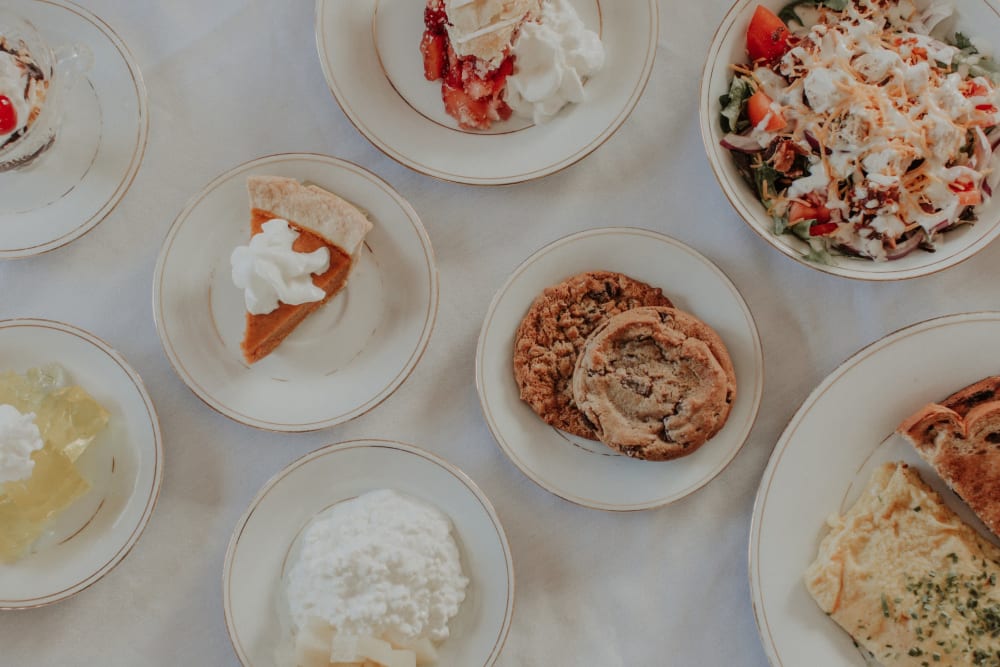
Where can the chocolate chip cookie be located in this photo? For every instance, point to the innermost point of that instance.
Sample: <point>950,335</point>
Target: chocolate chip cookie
<point>656,383</point>
<point>552,334</point>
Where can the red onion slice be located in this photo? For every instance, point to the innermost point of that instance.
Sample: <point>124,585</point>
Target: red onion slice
<point>907,246</point>
<point>740,143</point>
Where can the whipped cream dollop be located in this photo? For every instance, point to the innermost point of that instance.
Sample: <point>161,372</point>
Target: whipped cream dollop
<point>269,271</point>
<point>24,84</point>
<point>381,564</point>
<point>553,57</point>
<point>19,437</point>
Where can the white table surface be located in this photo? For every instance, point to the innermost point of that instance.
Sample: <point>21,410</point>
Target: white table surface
<point>230,80</point>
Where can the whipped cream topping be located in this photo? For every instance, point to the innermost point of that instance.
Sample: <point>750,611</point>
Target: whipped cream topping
<point>553,58</point>
<point>24,84</point>
<point>269,271</point>
<point>19,437</point>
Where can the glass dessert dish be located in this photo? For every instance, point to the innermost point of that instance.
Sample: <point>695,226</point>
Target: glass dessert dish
<point>34,81</point>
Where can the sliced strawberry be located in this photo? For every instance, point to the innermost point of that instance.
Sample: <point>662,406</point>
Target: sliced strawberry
<point>470,113</point>
<point>433,47</point>
<point>435,16</point>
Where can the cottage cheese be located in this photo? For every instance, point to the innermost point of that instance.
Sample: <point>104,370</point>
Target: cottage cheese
<point>19,437</point>
<point>380,565</point>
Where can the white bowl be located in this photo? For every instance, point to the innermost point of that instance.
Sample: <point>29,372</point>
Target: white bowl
<point>977,18</point>
<point>263,538</point>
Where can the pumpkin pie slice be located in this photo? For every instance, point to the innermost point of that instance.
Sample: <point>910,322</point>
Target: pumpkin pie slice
<point>322,220</point>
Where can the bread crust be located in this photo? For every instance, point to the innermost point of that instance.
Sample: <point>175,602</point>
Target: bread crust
<point>325,214</point>
<point>960,438</point>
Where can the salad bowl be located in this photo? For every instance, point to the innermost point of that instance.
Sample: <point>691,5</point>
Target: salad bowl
<point>979,19</point>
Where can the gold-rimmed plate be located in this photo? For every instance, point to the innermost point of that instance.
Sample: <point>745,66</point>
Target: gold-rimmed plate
<point>369,50</point>
<point>585,472</point>
<point>342,361</point>
<point>262,540</point>
<point>124,466</point>
<point>842,431</point>
<point>84,175</point>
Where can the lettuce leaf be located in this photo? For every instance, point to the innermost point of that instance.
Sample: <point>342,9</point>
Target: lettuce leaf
<point>788,13</point>
<point>733,102</point>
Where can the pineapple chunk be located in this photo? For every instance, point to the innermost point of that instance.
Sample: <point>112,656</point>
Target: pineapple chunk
<point>312,644</point>
<point>375,650</point>
<point>424,649</point>
<point>344,649</point>
<point>402,658</point>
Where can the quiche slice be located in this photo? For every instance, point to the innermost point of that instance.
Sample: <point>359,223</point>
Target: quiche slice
<point>322,220</point>
<point>908,580</point>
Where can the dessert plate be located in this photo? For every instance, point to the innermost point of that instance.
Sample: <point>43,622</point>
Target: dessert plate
<point>369,50</point>
<point>84,175</point>
<point>124,466</point>
<point>825,457</point>
<point>343,360</point>
<point>263,538</point>
<point>588,473</point>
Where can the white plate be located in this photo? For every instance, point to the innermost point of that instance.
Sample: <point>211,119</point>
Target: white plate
<point>263,538</point>
<point>588,473</point>
<point>124,466</point>
<point>826,455</point>
<point>369,50</point>
<point>353,352</point>
<point>977,18</point>
<point>80,180</point>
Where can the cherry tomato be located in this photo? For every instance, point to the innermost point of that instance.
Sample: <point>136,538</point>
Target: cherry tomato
<point>799,211</point>
<point>767,36</point>
<point>8,115</point>
<point>758,106</point>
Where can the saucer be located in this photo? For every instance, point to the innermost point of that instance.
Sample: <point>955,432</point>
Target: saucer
<point>369,50</point>
<point>345,358</point>
<point>77,182</point>
<point>587,472</point>
<point>259,549</point>
<point>124,466</point>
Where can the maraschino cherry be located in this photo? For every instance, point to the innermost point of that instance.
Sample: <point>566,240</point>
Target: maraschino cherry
<point>8,115</point>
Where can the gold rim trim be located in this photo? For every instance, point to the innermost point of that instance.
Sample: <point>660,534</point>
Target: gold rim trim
<point>553,488</point>
<point>142,139</point>
<point>383,394</point>
<point>807,404</point>
<point>555,168</point>
<point>367,443</point>
<point>154,491</point>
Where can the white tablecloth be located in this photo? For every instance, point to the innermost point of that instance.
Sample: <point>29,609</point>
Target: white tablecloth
<point>231,80</point>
